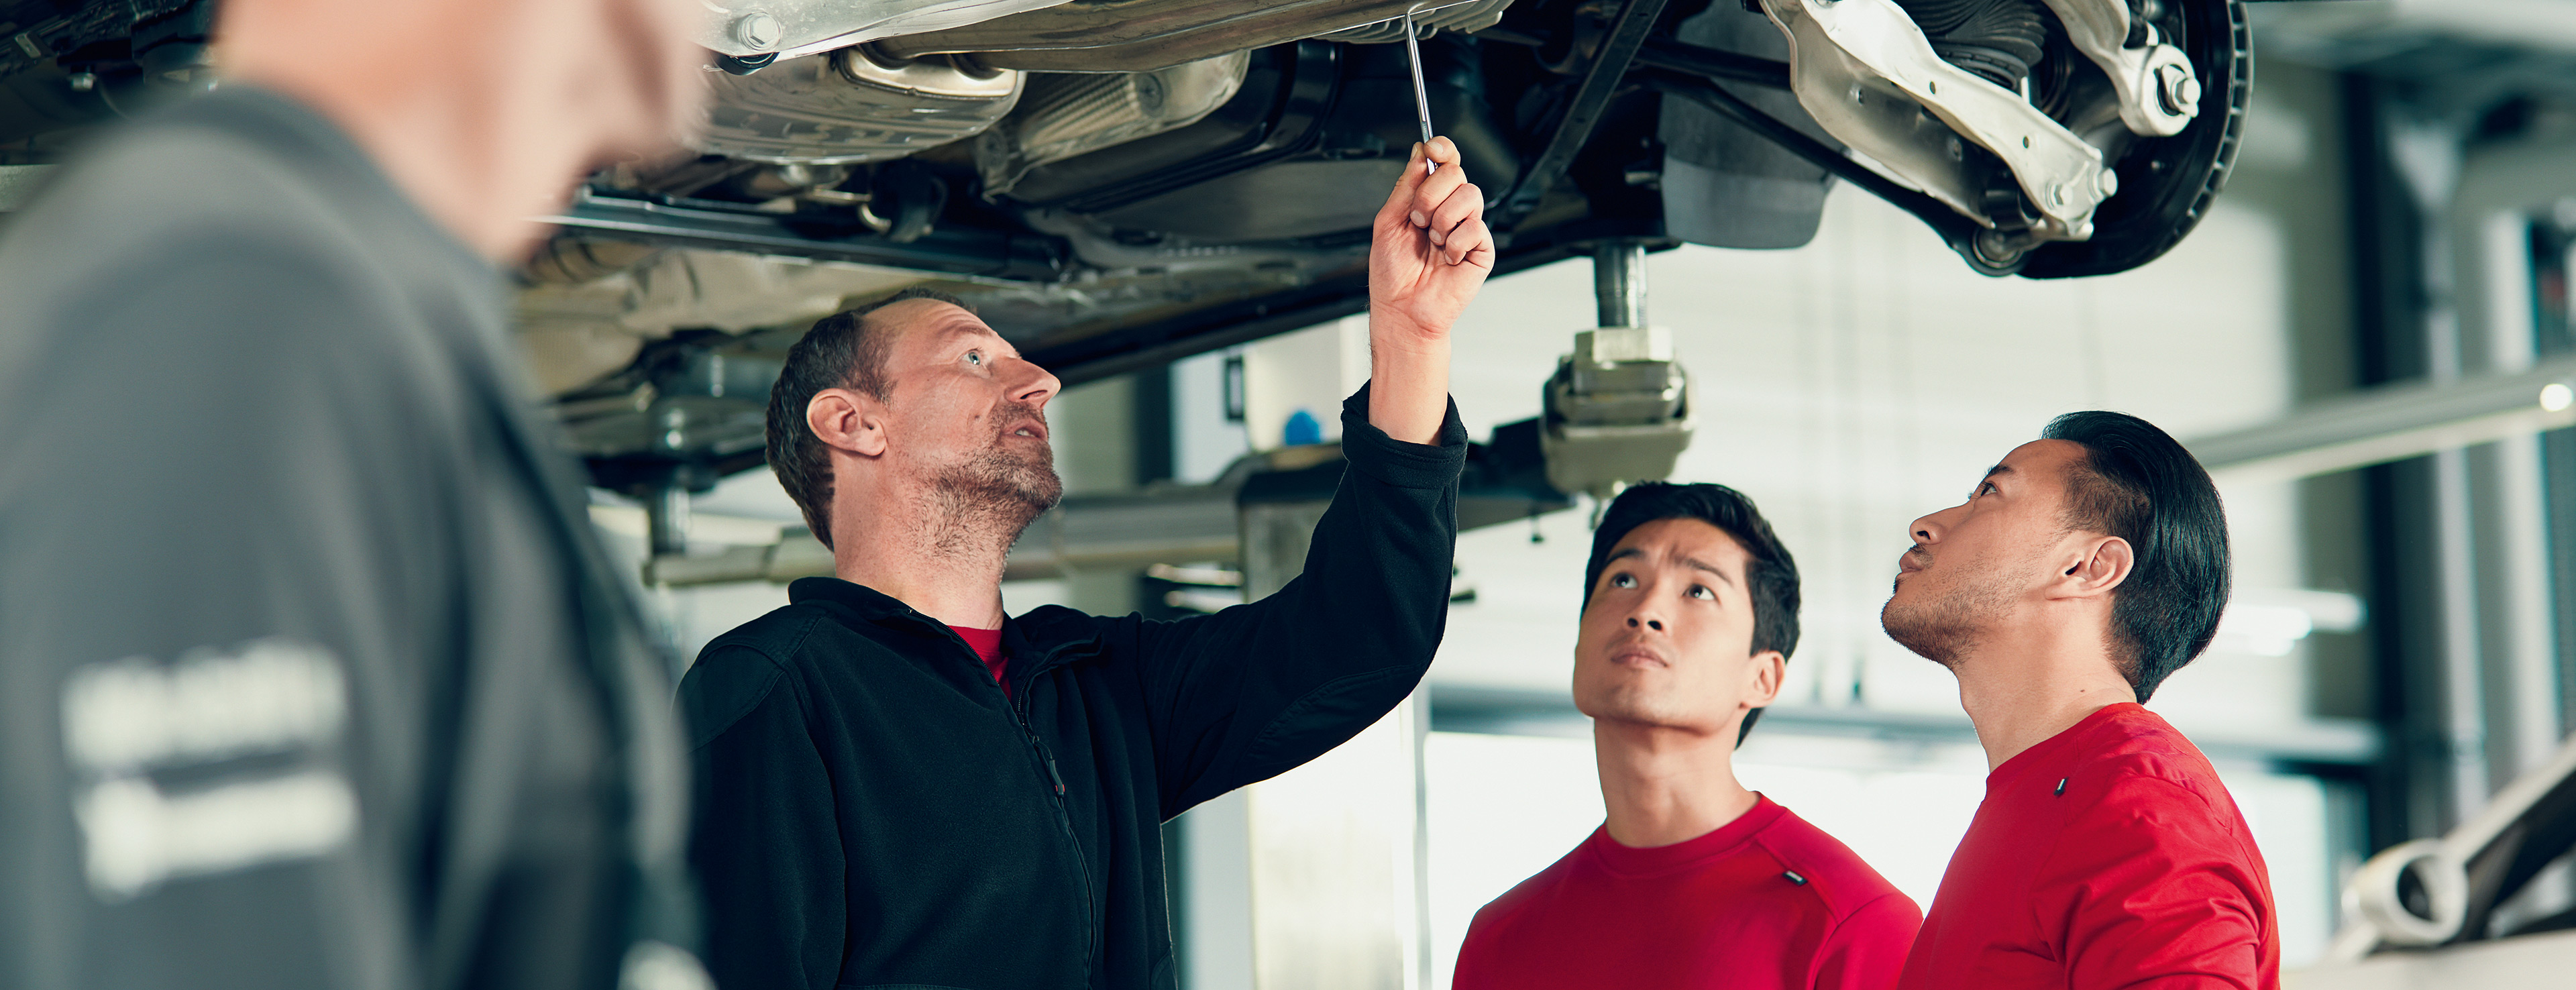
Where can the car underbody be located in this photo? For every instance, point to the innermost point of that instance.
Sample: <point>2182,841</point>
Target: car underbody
<point>1115,184</point>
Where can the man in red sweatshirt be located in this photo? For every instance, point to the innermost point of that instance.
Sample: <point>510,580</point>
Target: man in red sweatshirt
<point>2084,569</point>
<point>1694,883</point>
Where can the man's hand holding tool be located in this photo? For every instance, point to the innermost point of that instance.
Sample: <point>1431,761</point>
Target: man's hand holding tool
<point>1421,96</point>
<point>1429,255</point>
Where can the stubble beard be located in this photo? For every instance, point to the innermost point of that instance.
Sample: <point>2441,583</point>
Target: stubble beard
<point>1948,628</point>
<point>983,504</point>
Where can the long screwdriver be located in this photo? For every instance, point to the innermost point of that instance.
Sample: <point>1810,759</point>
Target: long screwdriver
<point>1421,96</point>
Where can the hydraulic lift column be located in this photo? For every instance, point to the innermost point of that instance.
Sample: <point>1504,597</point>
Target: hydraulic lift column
<point>1619,283</point>
<point>1618,408</point>
<point>666,518</point>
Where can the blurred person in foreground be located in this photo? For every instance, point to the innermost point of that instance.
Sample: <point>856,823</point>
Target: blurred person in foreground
<point>2082,571</point>
<point>311,672</point>
<point>902,786</point>
<point>1690,611</point>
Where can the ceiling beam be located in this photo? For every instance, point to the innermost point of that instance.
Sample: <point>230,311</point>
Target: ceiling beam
<point>2396,422</point>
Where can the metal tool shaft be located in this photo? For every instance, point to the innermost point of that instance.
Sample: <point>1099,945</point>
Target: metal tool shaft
<point>1421,96</point>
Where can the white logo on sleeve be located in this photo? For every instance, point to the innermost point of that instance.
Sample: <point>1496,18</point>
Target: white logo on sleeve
<point>125,720</point>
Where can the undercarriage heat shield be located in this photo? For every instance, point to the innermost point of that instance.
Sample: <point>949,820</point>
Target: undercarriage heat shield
<point>764,29</point>
<point>850,106</point>
<point>1064,115</point>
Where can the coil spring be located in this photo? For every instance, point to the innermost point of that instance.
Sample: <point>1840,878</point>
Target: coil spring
<point>1998,39</point>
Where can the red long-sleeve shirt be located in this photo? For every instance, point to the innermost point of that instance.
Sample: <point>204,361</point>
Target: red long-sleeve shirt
<point>2109,856</point>
<point>1766,902</point>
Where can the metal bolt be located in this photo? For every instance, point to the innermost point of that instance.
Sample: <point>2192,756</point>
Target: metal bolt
<point>2108,182</point>
<point>675,424</point>
<point>758,30</point>
<point>2179,90</point>
<point>83,82</point>
<point>2057,194</point>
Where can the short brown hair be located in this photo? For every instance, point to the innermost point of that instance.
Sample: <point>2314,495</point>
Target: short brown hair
<point>838,352</point>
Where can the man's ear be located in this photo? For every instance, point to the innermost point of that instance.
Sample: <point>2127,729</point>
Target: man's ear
<point>846,420</point>
<point>2106,563</point>
<point>1769,671</point>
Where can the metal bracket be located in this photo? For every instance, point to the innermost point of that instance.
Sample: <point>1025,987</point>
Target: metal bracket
<point>2158,92</point>
<point>1601,81</point>
<point>1864,71</point>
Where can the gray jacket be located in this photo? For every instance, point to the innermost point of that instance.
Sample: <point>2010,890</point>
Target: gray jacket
<point>311,672</point>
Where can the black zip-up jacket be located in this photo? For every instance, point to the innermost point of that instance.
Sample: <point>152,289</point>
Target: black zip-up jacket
<point>874,812</point>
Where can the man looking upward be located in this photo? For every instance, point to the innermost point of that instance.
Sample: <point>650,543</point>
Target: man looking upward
<point>1690,611</point>
<point>2084,569</point>
<point>903,786</point>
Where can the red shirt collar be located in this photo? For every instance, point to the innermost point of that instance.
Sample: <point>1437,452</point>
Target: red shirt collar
<point>1634,861</point>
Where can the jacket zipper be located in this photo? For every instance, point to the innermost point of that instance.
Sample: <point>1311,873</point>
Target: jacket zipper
<point>1018,706</point>
<point>1064,817</point>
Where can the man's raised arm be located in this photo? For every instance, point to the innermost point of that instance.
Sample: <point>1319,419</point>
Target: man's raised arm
<point>1254,690</point>
<point>1430,254</point>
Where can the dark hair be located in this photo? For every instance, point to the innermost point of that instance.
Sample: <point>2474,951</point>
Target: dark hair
<point>2138,484</point>
<point>1769,572</point>
<point>838,352</point>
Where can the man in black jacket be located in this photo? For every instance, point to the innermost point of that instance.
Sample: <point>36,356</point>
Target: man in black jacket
<point>899,786</point>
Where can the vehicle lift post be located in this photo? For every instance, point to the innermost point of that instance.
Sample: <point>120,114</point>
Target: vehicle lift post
<point>1617,410</point>
<point>1619,283</point>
